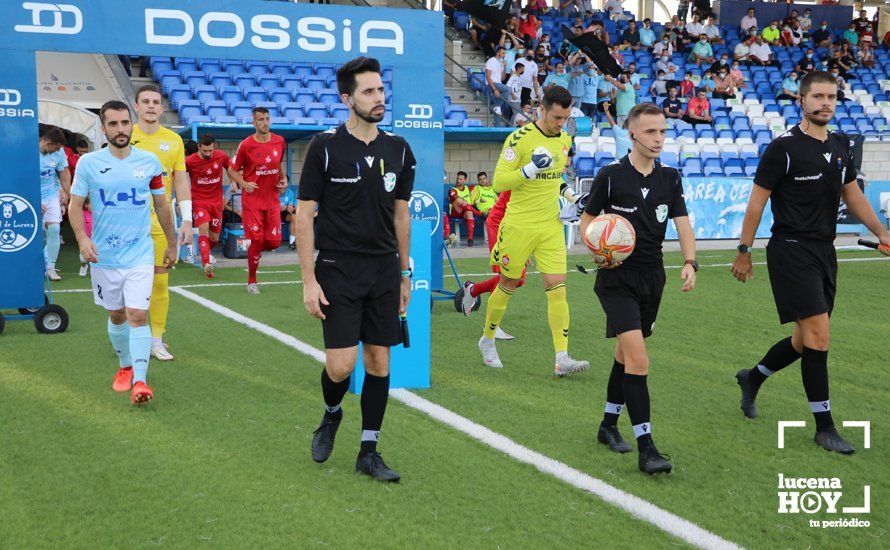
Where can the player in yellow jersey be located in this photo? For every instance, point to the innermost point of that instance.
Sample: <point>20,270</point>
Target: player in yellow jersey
<point>149,135</point>
<point>531,165</point>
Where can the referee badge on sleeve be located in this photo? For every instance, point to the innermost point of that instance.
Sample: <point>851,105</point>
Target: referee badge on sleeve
<point>389,181</point>
<point>661,212</point>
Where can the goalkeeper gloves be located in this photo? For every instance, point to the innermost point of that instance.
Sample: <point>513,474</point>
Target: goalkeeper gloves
<point>571,212</point>
<point>541,160</point>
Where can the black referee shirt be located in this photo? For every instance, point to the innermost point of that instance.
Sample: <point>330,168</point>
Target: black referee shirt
<point>806,177</point>
<point>645,201</point>
<point>356,186</point>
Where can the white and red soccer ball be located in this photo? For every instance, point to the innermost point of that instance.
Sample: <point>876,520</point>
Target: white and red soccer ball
<point>610,238</point>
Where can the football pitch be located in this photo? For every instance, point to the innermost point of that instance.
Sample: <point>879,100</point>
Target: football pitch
<point>221,456</point>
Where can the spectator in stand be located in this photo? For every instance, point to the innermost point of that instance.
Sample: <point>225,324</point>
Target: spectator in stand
<point>576,72</point>
<point>663,47</point>
<point>483,195</point>
<point>567,8</point>
<point>848,57</point>
<point>771,34</point>
<point>509,44</point>
<point>630,38</point>
<point>542,61</point>
<point>623,143</point>
<point>695,28</point>
<point>596,27</point>
<point>625,96</point>
<point>862,25</point>
<point>635,78</point>
<point>494,76</point>
<point>837,62</point>
<point>724,85</point>
<point>806,22</point>
<point>807,63</point>
<point>526,115</point>
<point>615,10</point>
<point>617,56</point>
<point>841,85</point>
<point>722,62</point>
<point>659,86</point>
<point>687,86</point>
<point>669,35</point>
<point>753,31</point>
<point>761,54</point>
<point>707,83</point>
<point>821,37</point>
<point>712,31</point>
<point>590,98</point>
<point>795,34</point>
<point>702,52</point>
<point>682,9</point>
<point>528,28</point>
<point>738,77</point>
<point>702,8</point>
<point>698,110</point>
<point>748,21</point>
<point>647,35</point>
<point>515,85</point>
<point>671,106</point>
<point>529,77</point>
<point>850,36</point>
<point>605,99</point>
<point>866,56</point>
<point>545,44</point>
<point>788,20</point>
<point>477,29</point>
<point>683,38</point>
<point>557,78</point>
<point>742,51</point>
<point>664,64</point>
<point>790,88</point>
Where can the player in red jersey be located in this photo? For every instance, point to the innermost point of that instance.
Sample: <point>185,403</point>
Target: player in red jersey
<point>473,290</point>
<point>259,160</point>
<point>205,170</point>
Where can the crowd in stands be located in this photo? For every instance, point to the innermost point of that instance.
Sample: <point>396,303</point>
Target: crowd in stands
<point>688,63</point>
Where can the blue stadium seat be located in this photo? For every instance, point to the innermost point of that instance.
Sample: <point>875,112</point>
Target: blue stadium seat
<point>167,79</point>
<point>160,64</point>
<point>730,160</point>
<point>456,112</point>
<point>585,166</point>
<point>210,65</point>
<point>280,95</point>
<point>726,134</point>
<point>603,158</point>
<point>692,173</point>
<point>205,93</point>
<point>290,109</point>
<point>302,69</point>
<point>750,170</point>
<point>472,123</point>
<point>713,171</point>
<point>703,132</point>
<point>257,68</point>
<point>183,64</point>
<point>198,119</point>
<point>233,67</point>
<point>179,93</point>
<point>692,163</point>
<point>271,105</point>
<point>230,94</point>
<point>279,120</point>
<point>670,159</point>
<point>329,97</point>
<point>292,82</point>
<point>855,109</point>
<point>331,122</point>
<point>280,68</point>
<point>215,108</point>
<point>325,69</point>
<point>241,109</point>
<point>340,112</point>
<point>189,108</point>
<point>316,110</point>
<point>314,82</point>
<point>244,80</point>
<point>255,94</point>
<point>689,134</point>
<point>733,171</point>
<point>305,121</point>
<point>219,78</point>
<point>387,75</point>
<point>194,78</point>
<point>269,81</point>
<point>304,95</point>
<point>228,119</point>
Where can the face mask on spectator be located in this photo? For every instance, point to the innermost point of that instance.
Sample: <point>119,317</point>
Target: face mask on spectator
<point>723,60</point>
<point>664,58</point>
<point>809,56</point>
<point>508,45</point>
<point>722,74</point>
<point>824,27</point>
<point>735,66</point>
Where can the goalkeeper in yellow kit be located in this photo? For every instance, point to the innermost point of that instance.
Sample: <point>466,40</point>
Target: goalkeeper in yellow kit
<point>531,165</point>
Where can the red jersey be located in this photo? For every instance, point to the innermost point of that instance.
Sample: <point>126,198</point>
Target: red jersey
<point>260,163</point>
<point>496,214</point>
<point>207,176</point>
<point>72,160</point>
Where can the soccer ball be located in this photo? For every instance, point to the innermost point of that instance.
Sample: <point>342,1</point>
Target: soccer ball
<point>610,238</point>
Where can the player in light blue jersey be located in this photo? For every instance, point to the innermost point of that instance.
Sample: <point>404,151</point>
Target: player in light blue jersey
<point>53,172</point>
<point>122,182</point>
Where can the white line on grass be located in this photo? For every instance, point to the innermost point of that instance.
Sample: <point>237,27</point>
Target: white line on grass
<point>635,506</point>
<point>210,285</point>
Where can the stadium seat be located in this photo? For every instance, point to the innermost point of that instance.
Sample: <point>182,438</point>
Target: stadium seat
<point>183,64</point>
<point>316,110</point>
<point>244,80</point>
<point>692,164</point>
<point>167,79</point>
<point>226,120</point>
<point>329,97</point>
<point>189,109</point>
<point>179,93</point>
<point>256,68</point>
<point>280,68</point>
<point>305,121</point>
<point>304,96</point>
<point>302,70</point>
<point>194,78</point>
<point>215,109</point>
<point>210,65</point>
<point>472,122</point>
<point>279,120</point>
<point>670,159</point>
<point>160,64</point>
<point>280,95</point>
<point>205,93</point>
<point>219,79</point>
<point>733,171</point>
<point>314,82</point>
<point>269,81</point>
<point>691,149</point>
<point>233,67</point>
<point>230,94</point>
<point>290,110</point>
<point>340,112</point>
<point>291,82</point>
<point>255,94</point>
<point>241,109</point>
<point>325,69</point>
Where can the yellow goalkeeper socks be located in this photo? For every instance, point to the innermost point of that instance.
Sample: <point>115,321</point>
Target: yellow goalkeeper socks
<point>558,316</point>
<point>160,304</point>
<point>497,305</point>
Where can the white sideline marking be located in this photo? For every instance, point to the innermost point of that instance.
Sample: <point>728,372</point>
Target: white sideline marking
<point>635,506</point>
<point>447,275</point>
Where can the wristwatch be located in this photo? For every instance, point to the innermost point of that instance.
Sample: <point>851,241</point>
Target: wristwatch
<point>693,263</point>
<point>743,249</point>
<point>408,273</point>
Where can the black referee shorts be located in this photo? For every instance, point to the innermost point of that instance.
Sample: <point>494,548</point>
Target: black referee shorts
<point>803,276</point>
<point>630,298</point>
<point>363,293</point>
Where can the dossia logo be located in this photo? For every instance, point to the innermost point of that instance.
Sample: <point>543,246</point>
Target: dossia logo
<point>270,32</point>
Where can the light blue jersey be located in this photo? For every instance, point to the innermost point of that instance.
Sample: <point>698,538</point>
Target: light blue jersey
<point>50,165</point>
<point>591,85</point>
<point>289,198</point>
<point>120,197</point>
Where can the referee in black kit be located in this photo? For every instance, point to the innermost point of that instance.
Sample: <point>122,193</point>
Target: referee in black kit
<point>646,193</point>
<point>804,172</point>
<point>360,180</point>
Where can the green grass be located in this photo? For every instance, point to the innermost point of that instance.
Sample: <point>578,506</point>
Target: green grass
<point>221,456</point>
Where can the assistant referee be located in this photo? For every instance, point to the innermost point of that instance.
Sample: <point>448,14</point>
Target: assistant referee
<point>359,179</point>
<point>804,173</point>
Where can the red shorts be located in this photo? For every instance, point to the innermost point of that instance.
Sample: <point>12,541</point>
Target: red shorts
<point>207,213</point>
<point>458,211</point>
<point>262,225</point>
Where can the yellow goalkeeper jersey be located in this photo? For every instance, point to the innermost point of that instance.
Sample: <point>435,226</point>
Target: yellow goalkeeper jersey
<point>167,146</point>
<point>532,202</point>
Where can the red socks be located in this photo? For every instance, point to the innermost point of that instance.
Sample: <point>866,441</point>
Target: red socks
<point>253,259</point>
<point>204,246</point>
